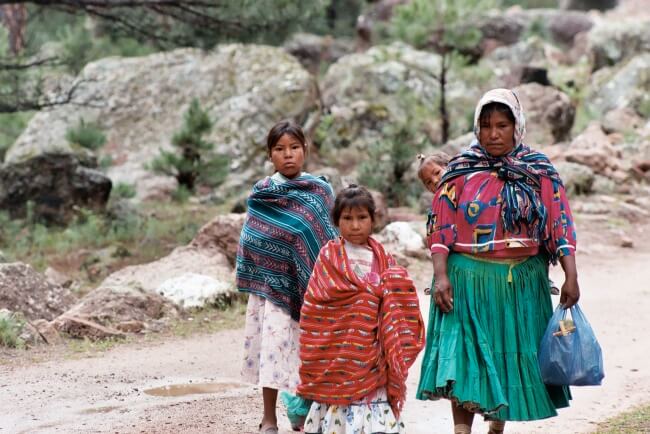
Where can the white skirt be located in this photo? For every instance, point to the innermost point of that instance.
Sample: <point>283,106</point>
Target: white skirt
<point>361,417</point>
<point>271,344</point>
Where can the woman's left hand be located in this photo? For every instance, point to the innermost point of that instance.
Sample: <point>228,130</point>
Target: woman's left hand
<point>570,293</point>
<point>570,290</point>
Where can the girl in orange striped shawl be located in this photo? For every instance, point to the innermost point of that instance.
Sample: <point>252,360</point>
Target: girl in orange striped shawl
<point>360,328</point>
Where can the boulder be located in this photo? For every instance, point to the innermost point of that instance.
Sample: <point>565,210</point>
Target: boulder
<point>196,290</point>
<point>47,331</point>
<point>627,87</point>
<point>577,178</point>
<point>182,260</point>
<point>585,5</point>
<point>615,41</point>
<point>24,290</point>
<point>621,120</point>
<point>139,102</point>
<point>221,234</point>
<point>366,94</point>
<point>82,328</point>
<point>401,238</point>
<point>549,113</point>
<point>56,184</point>
<point>119,307</point>
<point>593,148</point>
<point>313,50</point>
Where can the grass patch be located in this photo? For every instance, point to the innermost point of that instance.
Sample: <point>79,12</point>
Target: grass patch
<point>211,320</point>
<point>10,328</point>
<point>634,421</point>
<point>87,347</point>
<point>95,245</point>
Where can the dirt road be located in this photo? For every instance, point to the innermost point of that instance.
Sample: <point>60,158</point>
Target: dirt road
<point>107,393</point>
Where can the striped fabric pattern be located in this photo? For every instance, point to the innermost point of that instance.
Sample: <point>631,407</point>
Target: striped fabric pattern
<point>521,171</point>
<point>355,336</point>
<point>286,225</point>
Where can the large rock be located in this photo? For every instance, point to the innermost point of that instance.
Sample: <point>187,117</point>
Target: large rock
<point>149,277</point>
<point>221,234</point>
<point>24,290</point>
<point>614,41</point>
<point>56,184</point>
<point>577,178</point>
<point>140,101</point>
<point>387,86</point>
<point>401,238</point>
<point>195,290</point>
<point>627,87</point>
<point>549,113</point>
<point>594,149</point>
<point>115,306</point>
<point>586,5</point>
<point>313,50</point>
<point>502,29</point>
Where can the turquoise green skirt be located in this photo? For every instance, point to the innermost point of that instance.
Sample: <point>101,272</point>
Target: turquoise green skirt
<point>483,354</point>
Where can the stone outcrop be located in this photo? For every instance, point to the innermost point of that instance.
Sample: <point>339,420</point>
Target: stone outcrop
<point>549,113</point>
<point>221,234</point>
<point>626,87</point>
<point>615,41</point>
<point>57,185</point>
<point>387,86</point>
<point>24,290</point>
<point>139,103</point>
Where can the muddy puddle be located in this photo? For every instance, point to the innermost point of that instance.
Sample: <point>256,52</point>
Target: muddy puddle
<point>191,389</point>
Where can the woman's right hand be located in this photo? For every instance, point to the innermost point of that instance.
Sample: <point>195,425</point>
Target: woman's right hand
<point>443,293</point>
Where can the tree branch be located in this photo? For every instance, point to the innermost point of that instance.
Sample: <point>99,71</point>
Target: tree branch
<point>48,61</point>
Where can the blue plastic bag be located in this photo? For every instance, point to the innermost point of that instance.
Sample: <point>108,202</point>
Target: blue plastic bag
<point>570,356</point>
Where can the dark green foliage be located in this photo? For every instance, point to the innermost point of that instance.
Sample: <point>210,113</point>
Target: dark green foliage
<point>388,162</point>
<point>192,161</point>
<point>123,190</point>
<point>87,135</point>
<point>10,328</point>
<point>11,125</point>
<point>442,26</point>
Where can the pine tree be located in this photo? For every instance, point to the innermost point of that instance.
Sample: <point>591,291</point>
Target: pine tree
<point>191,162</point>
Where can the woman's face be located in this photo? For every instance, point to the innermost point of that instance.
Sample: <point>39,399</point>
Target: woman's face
<point>496,134</point>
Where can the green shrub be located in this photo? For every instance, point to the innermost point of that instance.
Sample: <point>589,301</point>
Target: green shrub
<point>86,135</point>
<point>11,126</point>
<point>191,162</point>
<point>389,160</point>
<point>123,190</point>
<point>10,328</point>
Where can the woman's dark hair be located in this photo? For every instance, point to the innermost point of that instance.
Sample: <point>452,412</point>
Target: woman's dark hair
<point>492,107</point>
<point>353,196</point>
<point>282,128</point>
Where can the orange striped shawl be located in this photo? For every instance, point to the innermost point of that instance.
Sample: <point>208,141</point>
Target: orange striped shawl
<point>356,337</point>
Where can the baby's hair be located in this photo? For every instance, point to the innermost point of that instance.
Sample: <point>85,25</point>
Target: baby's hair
<point>353,196</point>
<point>282,128</point>
<point>440,158</point>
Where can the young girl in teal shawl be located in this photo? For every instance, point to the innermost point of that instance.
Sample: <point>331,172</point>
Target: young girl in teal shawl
<point>287,224</point>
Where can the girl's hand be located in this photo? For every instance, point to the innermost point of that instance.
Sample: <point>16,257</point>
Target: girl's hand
<point>570,293</point>
<point>443,293</point>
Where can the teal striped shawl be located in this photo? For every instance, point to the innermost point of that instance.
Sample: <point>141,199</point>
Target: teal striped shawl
<point>286,226</point>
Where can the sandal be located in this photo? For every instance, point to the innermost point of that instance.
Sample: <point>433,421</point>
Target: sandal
<point>497,426</point>
<point>268,430</point>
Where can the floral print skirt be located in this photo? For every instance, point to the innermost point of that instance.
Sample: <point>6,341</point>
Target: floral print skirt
<point>361,417</point>
<point>271,341</point>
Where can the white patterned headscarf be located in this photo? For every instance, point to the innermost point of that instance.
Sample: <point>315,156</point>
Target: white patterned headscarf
<point>509,98</point>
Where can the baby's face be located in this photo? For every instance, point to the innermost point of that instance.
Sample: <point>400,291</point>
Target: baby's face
<point>430,174</point>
